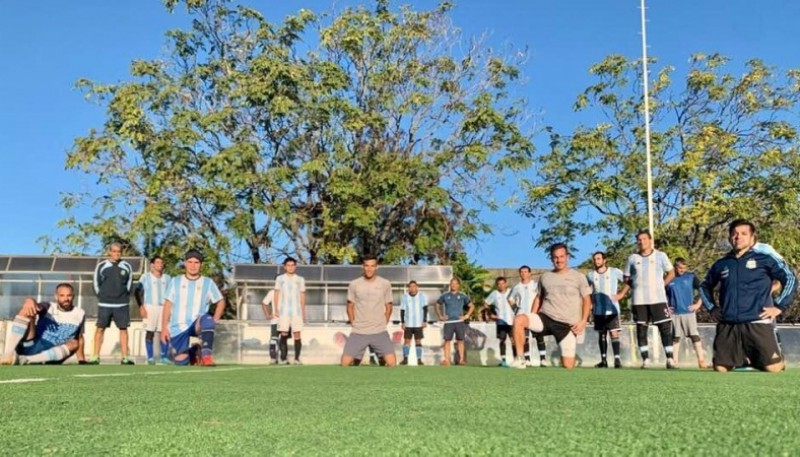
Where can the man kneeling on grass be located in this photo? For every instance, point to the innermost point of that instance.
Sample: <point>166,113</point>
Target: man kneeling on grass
<point>186,313</point>
<point>47,332</point>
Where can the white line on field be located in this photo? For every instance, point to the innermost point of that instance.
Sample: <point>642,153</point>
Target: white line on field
<point>22,381</point>
<point>151,373</point>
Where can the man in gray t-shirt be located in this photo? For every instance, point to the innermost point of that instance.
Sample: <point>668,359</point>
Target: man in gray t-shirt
<point>561,308</point>
<point>369,308</point>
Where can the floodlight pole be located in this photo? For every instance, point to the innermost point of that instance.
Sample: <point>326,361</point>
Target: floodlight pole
<point>647,124</point>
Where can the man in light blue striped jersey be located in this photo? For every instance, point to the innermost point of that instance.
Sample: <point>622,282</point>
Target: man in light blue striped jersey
<point>605,282</point>
<point>522,295</point>
<point>413,318</point>
<point>290,306</point>
<point>501,312</point>
<point>151,292</point>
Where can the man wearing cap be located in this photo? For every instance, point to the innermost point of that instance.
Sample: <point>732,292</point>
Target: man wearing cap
<point>186,313</point>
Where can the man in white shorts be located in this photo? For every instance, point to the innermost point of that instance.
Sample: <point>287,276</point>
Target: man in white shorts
<point>150,295</point>
<point>561,308</point>
<point>290,306</point>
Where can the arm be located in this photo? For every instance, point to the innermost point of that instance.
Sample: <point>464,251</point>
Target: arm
<point>439,310</point>
<point>138,294</point>
<point>303,304</point>
<point>669,277</point>
<point>470,310</point>
<point>275,304</point>
<point>351,312</point>
<point>267,314</point>
<point>537,303</point>
<point>81,356</point>
<point>586,308</point>
<point>166,313</point>
<point>388,311</point>
<point>707,289</point>
<point>788,283</point>
<point>219,309</point>
<point>623,293</point>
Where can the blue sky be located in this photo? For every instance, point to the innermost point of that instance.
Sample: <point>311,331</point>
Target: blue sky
<point>47,45</point>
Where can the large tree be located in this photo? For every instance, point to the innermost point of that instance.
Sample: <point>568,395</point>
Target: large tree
<point>724,146</point>
<point>325,137</point>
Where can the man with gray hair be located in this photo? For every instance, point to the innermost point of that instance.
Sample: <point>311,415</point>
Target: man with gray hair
<point>113,283</point>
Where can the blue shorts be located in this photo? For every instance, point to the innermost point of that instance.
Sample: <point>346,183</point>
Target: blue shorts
<point>180,342</point>
<point>33,347</point>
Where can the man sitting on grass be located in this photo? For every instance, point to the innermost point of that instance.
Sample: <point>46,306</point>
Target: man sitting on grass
<point>46,332</point>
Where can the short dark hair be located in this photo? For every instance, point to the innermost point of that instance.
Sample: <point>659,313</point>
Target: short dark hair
<point>500,278</point>
<point>558,246</point>
<point>155,257</point>
<point>680,260</point>
<point>289,259</point>
<point>525,267</point>
<point>644,232</point>
<point>65,284</point>
<point>367,257</point>
<point>740,222</point>
<point>600,253</point>
<point>193,254</point>
<point>412,282</point>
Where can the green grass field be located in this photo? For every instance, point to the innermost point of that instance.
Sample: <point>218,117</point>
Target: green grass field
<point>324,410</point>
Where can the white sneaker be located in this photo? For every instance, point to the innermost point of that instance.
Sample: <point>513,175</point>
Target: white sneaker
<point>297,362</point>
<point>645,364</point>
<point>519,363</point>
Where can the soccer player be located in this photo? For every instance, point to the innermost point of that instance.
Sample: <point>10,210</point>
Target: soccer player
<point>522,295</point>
<point>186,313</point>
<point>46,332</point>
<point>369,308</point>
<point>150,293</point>
<point>290,297</point>
<point>606,294</point>
<point>113,283</point>
<point>745,310</point>
<point>683,306</point>
<point>454,308</point>
<point>561,308</point>
<point>268,304</point>
<point>648,272</point>
<point>502,314</point>
<point>413,318</point>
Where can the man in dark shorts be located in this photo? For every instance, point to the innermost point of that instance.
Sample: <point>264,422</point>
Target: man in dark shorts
<point>648,272</point>
<point>605,282</point>
<point>561,308</point>
<point>369,308</point>
<point>113,284</point>
<point>745,310</point>
<point>454,308</point>
<point>501,312</point>
<point>413,318</point>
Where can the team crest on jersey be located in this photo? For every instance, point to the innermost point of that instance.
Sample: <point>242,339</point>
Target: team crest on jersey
<point>751,264</point>
<point>124,272</point>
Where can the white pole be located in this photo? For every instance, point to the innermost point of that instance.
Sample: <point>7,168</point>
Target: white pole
<point>647,124</point>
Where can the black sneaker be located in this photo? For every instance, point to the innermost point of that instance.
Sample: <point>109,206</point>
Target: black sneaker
<point>603,364</point>
<point>404,362</point>
<point>617,363</point>
<point>419,362</point>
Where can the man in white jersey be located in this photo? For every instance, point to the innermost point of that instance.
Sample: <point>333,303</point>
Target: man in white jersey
<point>605,282</point>
<point>648,272</point>
<point>522,295</point>
<point>413,318</point>
<point>501,312</point>
<point>561,308</point>
<point>268,305</point>
<point>46,332</point>
<point>186,313</point>
<point>150,294</point>
<point>290,309</point>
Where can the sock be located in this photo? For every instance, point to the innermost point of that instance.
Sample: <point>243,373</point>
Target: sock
<point>406,350</point>
<point>207,334</point>
<point>541,346</point>
<point>419,352</point>
<point>527,349</point>
<point>51,355</point>
<point>615,346</point>
<point>18,329</point>
<point>603,342</point>
<point>284,346</point>
<point>514,351</point>
<point>164,350</point>
<point>298,346</point>
<point>641,338</point>
<point>665,329</point>
<point>148,344</point>
<point>503,349</point>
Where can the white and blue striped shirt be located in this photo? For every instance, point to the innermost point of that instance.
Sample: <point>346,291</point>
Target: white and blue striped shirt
<point>523,295</point>
<point>155,289</point>
<point>190,300</point>
<point>647,277</point>
<point>414,308</point>
<point>503,310</point>
<point>291,287</point>
<point>604,286</point>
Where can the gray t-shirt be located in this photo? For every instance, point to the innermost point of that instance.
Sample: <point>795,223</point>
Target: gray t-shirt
<point>562,295</point>
<point>370,298</point>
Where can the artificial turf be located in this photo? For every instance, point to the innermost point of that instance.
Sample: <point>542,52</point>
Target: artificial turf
<point>326,410</point>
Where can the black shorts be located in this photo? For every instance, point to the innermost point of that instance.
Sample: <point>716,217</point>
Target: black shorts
<point>410,332</point>
<point>654,314</point>
<point>503,331</point>
<point>736,344</point>
<point>454,328</point>
<point>121,317</point>
<point>559,330</point>
<point>606,323</point>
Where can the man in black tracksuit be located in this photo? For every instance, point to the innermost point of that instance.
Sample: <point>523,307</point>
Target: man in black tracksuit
<point>745,310</point>
<point>113,283</point>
